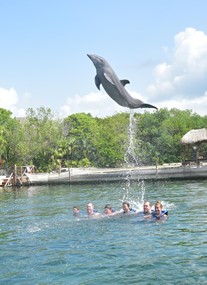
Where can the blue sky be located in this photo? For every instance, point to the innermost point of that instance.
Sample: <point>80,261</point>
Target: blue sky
<point>160,46</point>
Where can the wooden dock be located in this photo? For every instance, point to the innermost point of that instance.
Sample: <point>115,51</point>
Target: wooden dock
<point>97,175</point>
<point>18,177</point>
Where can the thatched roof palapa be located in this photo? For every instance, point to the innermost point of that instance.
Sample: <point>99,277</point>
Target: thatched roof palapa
<point>195,136</point>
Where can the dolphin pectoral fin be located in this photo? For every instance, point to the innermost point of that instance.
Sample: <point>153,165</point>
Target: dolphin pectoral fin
<point>108,78</point>
<point>97,82</point>
<point>124,81</point>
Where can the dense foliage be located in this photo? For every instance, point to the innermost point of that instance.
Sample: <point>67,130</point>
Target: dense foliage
<point>82,141</point>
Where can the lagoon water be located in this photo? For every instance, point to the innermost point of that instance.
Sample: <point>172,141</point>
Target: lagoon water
<point>42,243</point>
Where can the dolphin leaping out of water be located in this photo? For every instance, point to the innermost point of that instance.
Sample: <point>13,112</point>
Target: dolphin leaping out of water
<point>113,86</point>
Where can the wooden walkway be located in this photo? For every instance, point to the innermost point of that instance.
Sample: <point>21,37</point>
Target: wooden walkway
<point>96,175</point>
<point>18,177</point>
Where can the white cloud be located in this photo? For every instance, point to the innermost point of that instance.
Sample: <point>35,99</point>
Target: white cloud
<point>97,104</point>
<point>8,98</point>
<point>19,112</point>
<point>191,48</point>
<point>197,105</point>
<point>184,79</point>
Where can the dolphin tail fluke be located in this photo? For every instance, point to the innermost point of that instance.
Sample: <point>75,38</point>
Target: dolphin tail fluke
<point>144,105</point>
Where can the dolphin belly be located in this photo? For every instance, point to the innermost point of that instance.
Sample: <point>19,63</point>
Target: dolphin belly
<point>114,93</point>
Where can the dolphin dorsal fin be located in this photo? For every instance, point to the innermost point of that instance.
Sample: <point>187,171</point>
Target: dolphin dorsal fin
<point>97,82</point>
<point>124,81</point>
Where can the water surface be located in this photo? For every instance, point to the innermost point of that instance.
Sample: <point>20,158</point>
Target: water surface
<point>42,243</point>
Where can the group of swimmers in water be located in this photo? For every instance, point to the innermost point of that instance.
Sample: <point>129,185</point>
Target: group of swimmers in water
<point>149,212</point>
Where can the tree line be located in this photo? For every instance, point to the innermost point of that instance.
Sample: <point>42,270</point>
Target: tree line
<point>80,140</point>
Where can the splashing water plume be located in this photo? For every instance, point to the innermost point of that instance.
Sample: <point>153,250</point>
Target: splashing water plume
<point>131,161</point>
<point>135,197</point>
<point>130,155</point>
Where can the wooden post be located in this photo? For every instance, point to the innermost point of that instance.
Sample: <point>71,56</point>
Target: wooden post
<point>156,169</point>
<point>15,175</point>
<point>197,155</point>
<point>189,158</point>
<point>184,153</point>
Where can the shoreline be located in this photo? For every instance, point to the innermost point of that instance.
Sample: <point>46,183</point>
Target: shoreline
<point>91,175</point>
<point>98,175</point>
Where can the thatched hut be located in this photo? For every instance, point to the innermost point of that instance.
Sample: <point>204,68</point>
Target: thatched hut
<point>193,139</point>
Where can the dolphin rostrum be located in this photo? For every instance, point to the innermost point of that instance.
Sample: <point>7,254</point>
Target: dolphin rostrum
<point>113,86</point>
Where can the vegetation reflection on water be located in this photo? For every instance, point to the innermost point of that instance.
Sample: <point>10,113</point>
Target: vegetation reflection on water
<point>42,243</point>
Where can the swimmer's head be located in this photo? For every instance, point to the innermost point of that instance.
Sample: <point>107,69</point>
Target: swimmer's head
<point>90,209</point>
<point>108,209</point>
<point>76,210</point>
<point>147,207</point>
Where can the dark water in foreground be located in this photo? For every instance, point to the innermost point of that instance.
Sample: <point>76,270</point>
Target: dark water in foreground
<point>42,243</point>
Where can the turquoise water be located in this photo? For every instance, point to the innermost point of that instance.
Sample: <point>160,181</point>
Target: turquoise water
<point>42,243</point>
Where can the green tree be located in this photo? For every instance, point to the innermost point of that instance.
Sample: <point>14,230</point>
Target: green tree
<point>11,139</point>
<point>43,134</point>
<point>161,133</point>
<point>82,135</point>
<point>113,140</point>
<point>5,122</point>
<point>81,140</point>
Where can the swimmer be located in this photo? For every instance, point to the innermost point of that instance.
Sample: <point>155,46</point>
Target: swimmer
<point>91,212</point>
<point>126,208</point>
<point>108,210</point>
<point>147,210</point>
<point>159,213</point>
<point>76,211</point>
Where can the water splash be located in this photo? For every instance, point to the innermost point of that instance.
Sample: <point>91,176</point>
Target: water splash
<point>130,157</point>
<point>134,196</point>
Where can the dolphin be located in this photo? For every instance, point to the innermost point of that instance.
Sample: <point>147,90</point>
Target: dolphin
<point>114,87</point>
